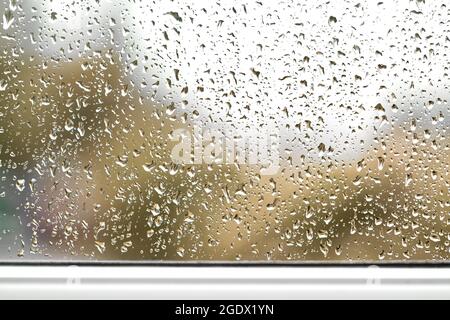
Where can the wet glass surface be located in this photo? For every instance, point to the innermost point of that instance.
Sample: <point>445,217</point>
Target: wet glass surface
<point>224,131</point>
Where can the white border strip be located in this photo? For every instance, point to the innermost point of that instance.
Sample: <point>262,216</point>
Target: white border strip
<point>208,282</point>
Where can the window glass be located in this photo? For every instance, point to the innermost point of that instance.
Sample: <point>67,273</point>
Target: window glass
<point>190,130</point>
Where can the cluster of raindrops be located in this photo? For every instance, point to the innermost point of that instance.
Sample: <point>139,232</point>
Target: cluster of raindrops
<point>92,93</point>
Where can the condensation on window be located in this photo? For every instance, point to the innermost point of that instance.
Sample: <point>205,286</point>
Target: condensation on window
<point>303,131</point>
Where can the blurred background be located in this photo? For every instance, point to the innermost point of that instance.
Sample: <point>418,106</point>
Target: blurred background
<point>91,91</point>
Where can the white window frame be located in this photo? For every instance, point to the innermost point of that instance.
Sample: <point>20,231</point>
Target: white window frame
<point>224,282</point>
